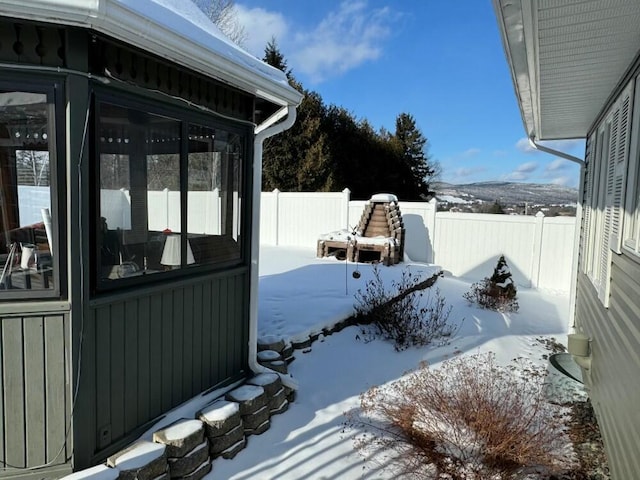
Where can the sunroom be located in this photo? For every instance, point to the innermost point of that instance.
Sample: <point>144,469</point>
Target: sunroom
<point>130,146</point>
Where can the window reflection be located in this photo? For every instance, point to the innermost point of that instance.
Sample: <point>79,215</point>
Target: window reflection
<point>25,192</point>
<point>142,201</point>
<point>139,156</point>
<point>213,204</point>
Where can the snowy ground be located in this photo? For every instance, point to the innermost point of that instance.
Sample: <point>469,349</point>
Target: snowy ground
<point>300,294</point>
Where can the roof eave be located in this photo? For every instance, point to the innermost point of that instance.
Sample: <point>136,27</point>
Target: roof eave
<point>114,19</point>
<point>512,31</point>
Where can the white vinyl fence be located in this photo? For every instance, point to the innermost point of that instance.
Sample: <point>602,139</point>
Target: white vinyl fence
<point>539,250</point>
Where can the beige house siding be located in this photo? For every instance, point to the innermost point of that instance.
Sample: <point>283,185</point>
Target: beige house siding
<point>614,381</point>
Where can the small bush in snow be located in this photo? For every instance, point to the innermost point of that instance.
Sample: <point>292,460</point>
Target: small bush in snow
<point>497,292</point>
<point>471,419</point>
<point>404,313</point>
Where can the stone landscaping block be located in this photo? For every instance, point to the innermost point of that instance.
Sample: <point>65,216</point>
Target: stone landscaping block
<point>218,445</point>
<point>269,356</point>
<point>287,351</point>
<point>291,394</point>
<point>99,472</point>
<point>141,461</point>
<point>270,382</point>
<point>165,476</point>
<point>279,366</point>
<point>220,417</point>
<point>233,450</point>
<point>180,437</point>
<point>250,398</point>
<point>180,467</point>
<point>255,419</point>
<point>260,429</point>
<point>199,472</point>
<point>299,345</point>
<point>283,407</point>
<point>271,342</point>
<point>277,398</point>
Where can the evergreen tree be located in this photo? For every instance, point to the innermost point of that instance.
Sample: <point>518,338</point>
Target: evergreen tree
<point>497,292</point>
<point>501,281</point>
<point>274,57</point>
<point>297,159</point>
<point>495,208</point>
<point>414,147</point>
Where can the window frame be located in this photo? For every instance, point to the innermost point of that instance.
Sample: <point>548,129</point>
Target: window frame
<point>53,88</point>
<point>185,116</point>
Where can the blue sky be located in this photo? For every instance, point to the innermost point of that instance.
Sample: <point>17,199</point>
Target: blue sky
<point>441,61</point>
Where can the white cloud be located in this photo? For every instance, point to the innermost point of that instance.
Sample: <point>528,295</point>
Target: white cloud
<point>522,172</point>
<point>524,146</point>
<point>556,165</point>
<point>470,152</point>
<point>563,181</point>
<point>346,38</point>
<point>467,172</point>
<point>261,25</point>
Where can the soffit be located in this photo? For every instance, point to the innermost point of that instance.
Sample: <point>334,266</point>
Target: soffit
<point>566,57</point>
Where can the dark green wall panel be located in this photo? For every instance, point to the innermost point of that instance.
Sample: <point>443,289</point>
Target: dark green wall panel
<point>156,350</point>
<point>34,396</point>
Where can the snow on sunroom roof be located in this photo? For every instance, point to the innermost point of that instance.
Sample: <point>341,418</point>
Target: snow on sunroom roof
<point>174,29</point>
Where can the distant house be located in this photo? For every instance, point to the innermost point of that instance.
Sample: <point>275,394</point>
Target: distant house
<point>575,67</point>
<point>130,160</point>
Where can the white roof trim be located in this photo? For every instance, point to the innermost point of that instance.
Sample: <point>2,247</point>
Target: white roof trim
<point>566,59</point>
<point>172,29</point>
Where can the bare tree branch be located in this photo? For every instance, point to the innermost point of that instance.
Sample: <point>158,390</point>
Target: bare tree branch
<point>224,15</point>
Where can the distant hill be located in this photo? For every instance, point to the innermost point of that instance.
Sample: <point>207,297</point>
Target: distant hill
<point>506,193</point>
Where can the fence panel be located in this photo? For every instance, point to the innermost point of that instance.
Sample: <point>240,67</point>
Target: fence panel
<point>469,244</point>
<point>556,253</point>
<point>301,217</point>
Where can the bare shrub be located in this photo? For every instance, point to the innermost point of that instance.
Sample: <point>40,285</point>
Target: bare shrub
<point>470,419</point>
<point>497,292</point>
<point>404,313</point>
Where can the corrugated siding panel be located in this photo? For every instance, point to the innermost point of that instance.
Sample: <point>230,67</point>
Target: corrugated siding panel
<point>616,362</point>
<point>34,410</point>
<point>155,351</point>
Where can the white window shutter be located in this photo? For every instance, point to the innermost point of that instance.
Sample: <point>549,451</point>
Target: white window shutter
<point>620,174</point>
<point>586,247</point>
<point>617,162</point>
<point>605,252</point>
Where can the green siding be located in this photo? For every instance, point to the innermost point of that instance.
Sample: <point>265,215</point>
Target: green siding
<point>615,388</point>
<point>153,351</point>
<point>34,400</point>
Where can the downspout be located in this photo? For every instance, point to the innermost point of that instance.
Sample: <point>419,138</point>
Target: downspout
<point>263,131</point>
<point>576,236</point>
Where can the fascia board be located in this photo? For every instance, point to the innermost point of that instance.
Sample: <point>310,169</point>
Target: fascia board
<point>511,22</point>
<point>218,60</point>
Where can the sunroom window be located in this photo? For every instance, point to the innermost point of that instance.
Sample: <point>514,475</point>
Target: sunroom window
<point>27,157</point>
<point>169,194</point>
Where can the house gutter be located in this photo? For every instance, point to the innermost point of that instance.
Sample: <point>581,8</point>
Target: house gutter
<point>270,127</point>
<point>576,238</point>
